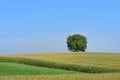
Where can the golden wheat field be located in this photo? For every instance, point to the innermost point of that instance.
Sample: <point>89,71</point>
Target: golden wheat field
<point>107,60</point>
<point>105,76</point>
<point>88,59</point>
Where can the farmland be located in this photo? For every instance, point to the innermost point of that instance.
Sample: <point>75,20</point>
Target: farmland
<point>108,60</point>
<point>72,66</point>
<point>106,76</point>
<point>19,69</point>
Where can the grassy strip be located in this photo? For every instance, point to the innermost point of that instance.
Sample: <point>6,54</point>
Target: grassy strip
<point>7,69</point>
<point>40,63</point>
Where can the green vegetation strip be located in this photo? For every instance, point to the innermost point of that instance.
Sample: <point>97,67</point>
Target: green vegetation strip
<point>21,69</point>
<point>41,63</point>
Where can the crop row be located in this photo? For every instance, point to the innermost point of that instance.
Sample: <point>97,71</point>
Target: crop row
<point>48,64</point>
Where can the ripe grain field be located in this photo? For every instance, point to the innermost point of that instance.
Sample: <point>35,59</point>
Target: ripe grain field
<point>105,76</point>
<point>107,60</point>
<point>103,60</point>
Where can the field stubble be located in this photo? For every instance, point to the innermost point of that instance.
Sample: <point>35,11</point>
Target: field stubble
<point>105,76</point>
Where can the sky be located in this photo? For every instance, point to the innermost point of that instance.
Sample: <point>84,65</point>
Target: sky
<point>28,26</point>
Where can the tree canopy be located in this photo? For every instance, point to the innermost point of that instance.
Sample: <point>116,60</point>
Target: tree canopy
<point>77,42</point>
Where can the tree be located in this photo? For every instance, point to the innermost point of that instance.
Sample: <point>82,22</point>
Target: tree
<point>77,42</point>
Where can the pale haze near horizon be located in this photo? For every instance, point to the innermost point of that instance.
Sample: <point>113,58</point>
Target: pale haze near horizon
<point>43,26</point>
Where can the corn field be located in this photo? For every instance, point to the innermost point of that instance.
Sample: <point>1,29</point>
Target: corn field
<point>95,66</point>
<point>48,64</point>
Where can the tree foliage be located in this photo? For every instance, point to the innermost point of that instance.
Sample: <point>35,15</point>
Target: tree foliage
<point>77,42</point>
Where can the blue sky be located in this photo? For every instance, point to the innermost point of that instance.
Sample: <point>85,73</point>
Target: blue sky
<point>43,25</point>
